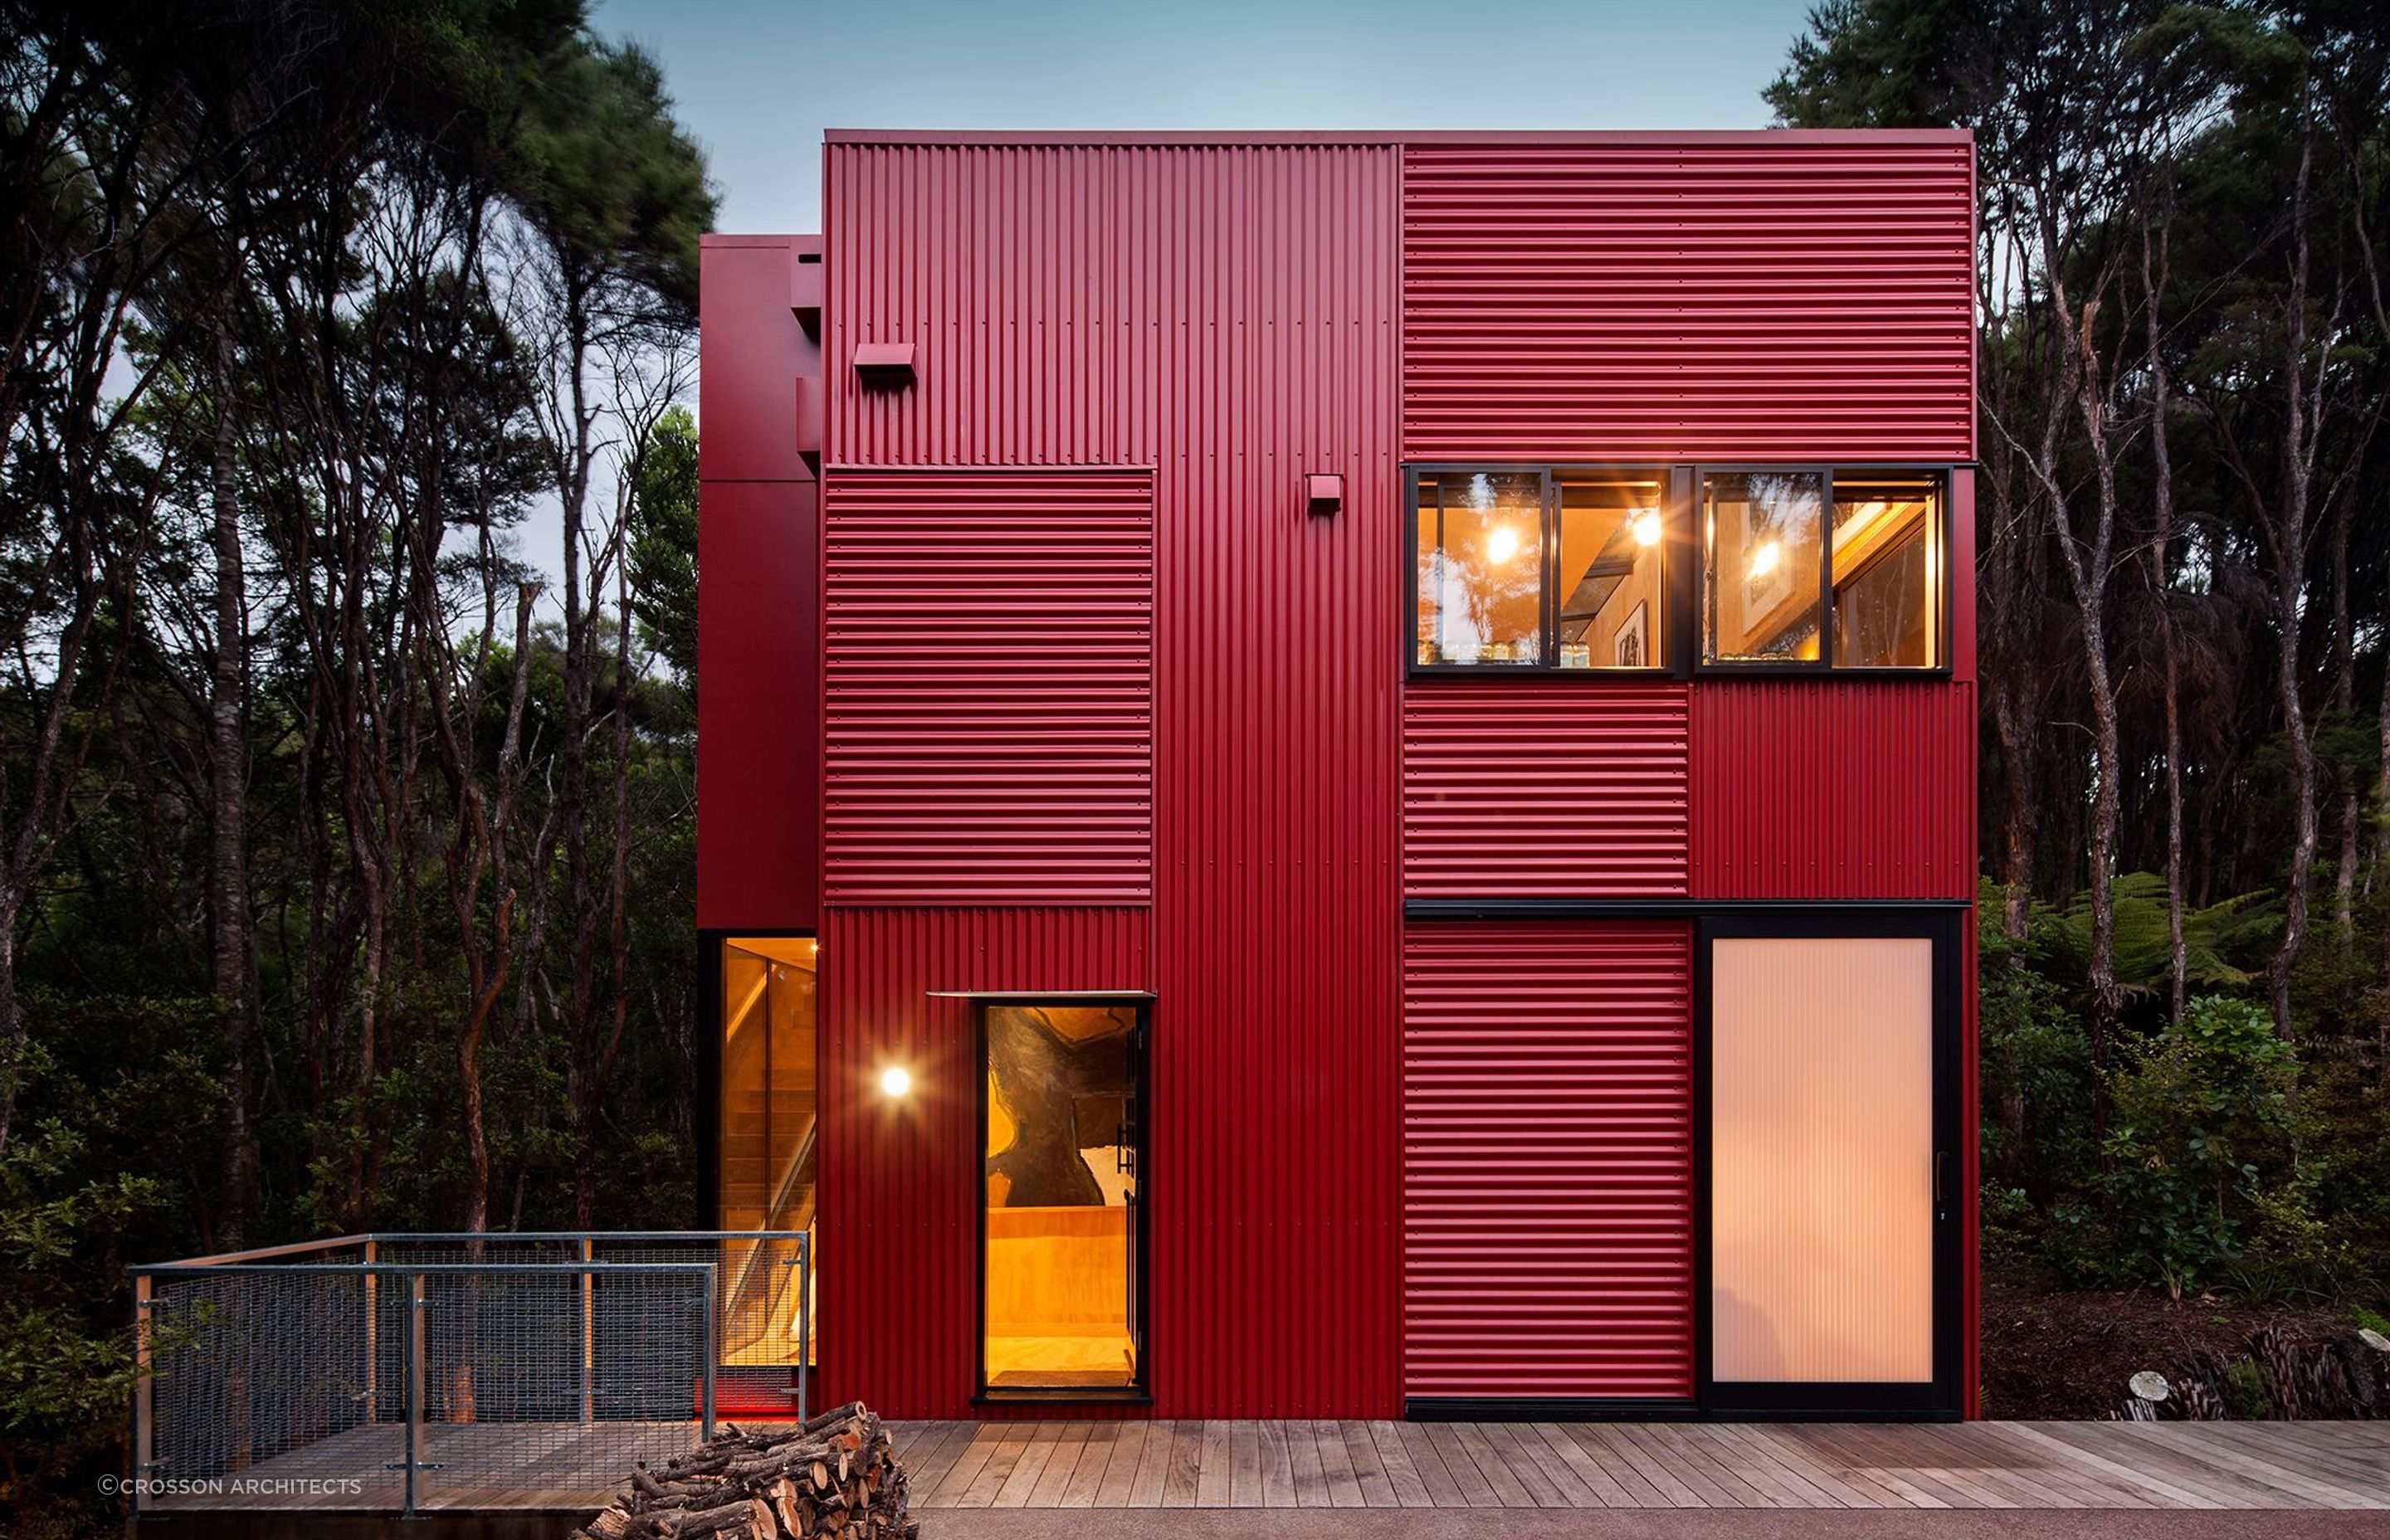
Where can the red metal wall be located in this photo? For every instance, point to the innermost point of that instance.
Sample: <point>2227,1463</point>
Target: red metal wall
<point>1547,1160</point>
<point>1543,788</point>
<point>989,687</point>
<point>1224,315</point>
<point>899,1286</point>
<point>759,726</point>
<point>1834,788</point>
<point>1765,296</point>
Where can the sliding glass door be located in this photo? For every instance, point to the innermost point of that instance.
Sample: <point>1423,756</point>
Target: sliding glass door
<point>1062,1174</point>
<point>1831,1113</point>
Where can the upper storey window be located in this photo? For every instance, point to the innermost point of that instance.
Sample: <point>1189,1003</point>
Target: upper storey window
<point>1541,570</point>
<point>1839,569</point>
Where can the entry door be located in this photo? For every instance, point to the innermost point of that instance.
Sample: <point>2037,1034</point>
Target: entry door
<point>1831,1111</point>
<point>1062,1157</point>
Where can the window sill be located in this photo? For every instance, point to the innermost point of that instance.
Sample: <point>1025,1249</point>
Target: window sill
<point>1067,1396</point>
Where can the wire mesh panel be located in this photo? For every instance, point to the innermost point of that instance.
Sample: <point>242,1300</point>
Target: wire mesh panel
<point>257,1372</point>
<point>517,1369</point>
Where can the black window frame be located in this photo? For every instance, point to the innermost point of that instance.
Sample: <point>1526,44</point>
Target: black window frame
<point>1944,581</point>
<point>1674,634</point>
<point>1140,1392</point>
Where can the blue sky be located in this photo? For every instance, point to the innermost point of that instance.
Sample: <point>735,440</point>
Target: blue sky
<point>757,82</point>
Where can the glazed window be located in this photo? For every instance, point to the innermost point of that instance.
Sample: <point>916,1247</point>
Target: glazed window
<point>1481,568</point>
<point>1612,591</point>
<point>1541,570</point>
<point>1824,570</point>
<point>1887,565</point>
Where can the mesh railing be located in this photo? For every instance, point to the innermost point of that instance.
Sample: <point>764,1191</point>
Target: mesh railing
<point>402,1371</point>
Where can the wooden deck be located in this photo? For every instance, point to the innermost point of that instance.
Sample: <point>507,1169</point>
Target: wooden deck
<point>575,1467</point>
<point>1675,1465</point>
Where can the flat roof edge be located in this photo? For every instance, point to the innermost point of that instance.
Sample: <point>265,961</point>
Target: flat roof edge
<point>1522,137</point>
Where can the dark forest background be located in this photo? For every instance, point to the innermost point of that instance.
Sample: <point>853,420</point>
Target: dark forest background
<point>346,863</point>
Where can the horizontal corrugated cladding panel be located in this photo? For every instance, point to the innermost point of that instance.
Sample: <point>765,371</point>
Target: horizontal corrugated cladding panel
<point>1794,301</point>
<point>1834,788</point>
<point>1523,789</point>
<point>1548,1158</point>
<point>899,1176</point>
<point>989,659</point>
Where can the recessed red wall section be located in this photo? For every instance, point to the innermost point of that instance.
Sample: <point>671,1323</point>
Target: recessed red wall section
<point>899,1176</point>
<point>989,687</point>
<point>1543,788</point>
<point>1755,297</point>
<point>1223,316</point>
<point>1548,1158</point>
<point>758,719</point>
<point>1834,788</point>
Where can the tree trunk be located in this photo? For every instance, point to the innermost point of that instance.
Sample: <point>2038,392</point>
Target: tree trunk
<point>228,824</point>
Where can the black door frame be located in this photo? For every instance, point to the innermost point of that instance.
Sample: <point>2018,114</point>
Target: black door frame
<point>1140,1233</point>
<point>1940,1397</point>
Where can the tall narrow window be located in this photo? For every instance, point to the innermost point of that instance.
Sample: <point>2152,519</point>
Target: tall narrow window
<point>1061,1174</point>
<point>1761,537</point>
<point>766,1175</point>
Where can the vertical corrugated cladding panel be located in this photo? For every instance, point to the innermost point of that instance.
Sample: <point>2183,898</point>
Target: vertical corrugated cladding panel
<point>1834,788</point>
<point>1226,315</point>
<point>1566,791</point>
<point>899,1176</point>
<point>1793,298</point>
<point>988,666</point>
<point>758,638</point>
<point>1547,1175</point>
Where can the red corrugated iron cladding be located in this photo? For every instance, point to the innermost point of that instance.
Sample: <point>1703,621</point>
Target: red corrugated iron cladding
<point>759,726</point>
<point>1543,788</point>
<point>1227,317</point>
<point>1744,297</point>
<point>1547,1160</point>
<point>989,687</point>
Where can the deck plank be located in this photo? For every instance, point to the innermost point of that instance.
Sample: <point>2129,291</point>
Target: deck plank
<point>1336,1466</point>
<point>1212,1462</point>
<point>1369,1467</point>
<point>1403,1474</point>
<point>1117,1484</point>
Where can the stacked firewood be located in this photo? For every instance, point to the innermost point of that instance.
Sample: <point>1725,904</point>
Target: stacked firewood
<point>835,1474</point>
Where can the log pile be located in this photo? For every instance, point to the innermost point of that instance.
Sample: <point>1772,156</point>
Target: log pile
<point>833,1475</point>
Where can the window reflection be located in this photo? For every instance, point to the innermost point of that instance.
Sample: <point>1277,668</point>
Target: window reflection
<point>1761,538</point>
<point>1481,568</point>
<point>1612,570</point>
<point>1887,537</point>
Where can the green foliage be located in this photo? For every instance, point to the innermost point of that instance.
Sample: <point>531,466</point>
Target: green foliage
<point>2224,944</point>
<point>2200,1108</point>
<point>663,545</point>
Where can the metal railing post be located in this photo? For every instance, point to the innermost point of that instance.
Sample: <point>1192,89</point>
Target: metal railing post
<point>713,1351</point>
<point>373,1335</point>
<point>144,1427</point>
<point>588,1331</point>
<point>804,1317</point>
<point>415,1312</point>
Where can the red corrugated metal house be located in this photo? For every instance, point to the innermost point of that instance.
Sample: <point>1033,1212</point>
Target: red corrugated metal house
<point>1337,771</point>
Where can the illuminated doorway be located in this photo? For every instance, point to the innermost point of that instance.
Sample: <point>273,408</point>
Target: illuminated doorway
<point>1062,1174</point>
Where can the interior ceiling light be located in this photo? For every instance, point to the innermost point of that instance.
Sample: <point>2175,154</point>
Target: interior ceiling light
<point>1764,558</point>
<point>1647,527</point>
<point>1501,544</point>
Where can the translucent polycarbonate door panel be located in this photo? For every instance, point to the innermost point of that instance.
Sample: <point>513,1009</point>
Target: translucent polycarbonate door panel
<point>1821,1159</point>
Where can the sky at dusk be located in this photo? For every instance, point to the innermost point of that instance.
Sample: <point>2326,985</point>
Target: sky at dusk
<point>757,81</point>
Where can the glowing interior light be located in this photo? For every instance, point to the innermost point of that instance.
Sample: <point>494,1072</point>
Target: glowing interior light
<point>1501,544</point>
<point>895,1082</point>
<point>1647,527</point>
<point>1764,558</point>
